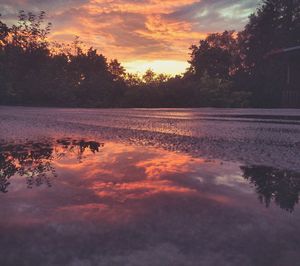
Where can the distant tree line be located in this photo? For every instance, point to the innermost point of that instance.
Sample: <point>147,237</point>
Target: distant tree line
<point>228,69</point>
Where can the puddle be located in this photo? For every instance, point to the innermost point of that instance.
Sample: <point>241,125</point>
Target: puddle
<point>77,201</point>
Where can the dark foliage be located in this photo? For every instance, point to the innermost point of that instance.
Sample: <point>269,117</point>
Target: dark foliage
<point>275,25</point>
<point>34,160</point>
<point>227,69</point>
<point>241,57</point>
<point>280,186</point>
<point>35,73</point>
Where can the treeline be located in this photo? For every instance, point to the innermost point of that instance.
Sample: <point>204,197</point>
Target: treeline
<point>228,69</point>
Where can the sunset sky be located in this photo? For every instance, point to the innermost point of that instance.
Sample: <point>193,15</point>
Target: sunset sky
<point>140,33</point>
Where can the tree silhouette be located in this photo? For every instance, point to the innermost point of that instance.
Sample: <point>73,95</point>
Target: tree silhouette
<point>227,69</point>
<point>33,160</point>
<point>216,56</point>
<point>275,25</point>
<point>282,186</point>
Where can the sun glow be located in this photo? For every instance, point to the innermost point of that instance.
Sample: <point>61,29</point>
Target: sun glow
<point>172,67</point>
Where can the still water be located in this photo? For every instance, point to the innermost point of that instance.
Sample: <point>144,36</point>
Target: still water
<point>86,199</point>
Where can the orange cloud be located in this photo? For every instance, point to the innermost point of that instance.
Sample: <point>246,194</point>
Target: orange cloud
<point>132,31</point>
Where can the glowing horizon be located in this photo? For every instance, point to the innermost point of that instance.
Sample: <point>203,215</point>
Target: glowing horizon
<point>171,67</point>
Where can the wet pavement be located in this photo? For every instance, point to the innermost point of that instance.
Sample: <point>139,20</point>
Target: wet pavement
<point>149,187</point>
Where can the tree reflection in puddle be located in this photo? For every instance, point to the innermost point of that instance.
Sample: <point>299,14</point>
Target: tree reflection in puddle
<point>36,162</point>
<point>282,186</point>
<point>33,160</point>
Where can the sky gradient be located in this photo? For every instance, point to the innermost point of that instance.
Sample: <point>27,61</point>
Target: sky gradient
<point>139,33</point>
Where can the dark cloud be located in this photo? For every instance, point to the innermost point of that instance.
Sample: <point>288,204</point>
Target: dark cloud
<point>216,15</point>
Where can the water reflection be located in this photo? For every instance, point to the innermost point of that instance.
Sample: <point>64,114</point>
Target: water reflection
<point>127,205</point>
<point>33,160</point>
<point>36,161</point>
<point>282,186</point>
<point>126,179</point>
